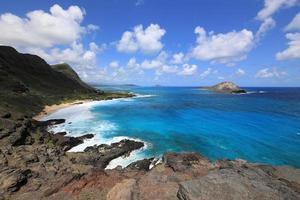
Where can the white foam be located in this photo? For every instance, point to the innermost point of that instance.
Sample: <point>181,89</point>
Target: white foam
<point>144,95</point>
<point>79,121</point>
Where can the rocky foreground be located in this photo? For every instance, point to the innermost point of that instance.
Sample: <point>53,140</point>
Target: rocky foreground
<point>35,164</point>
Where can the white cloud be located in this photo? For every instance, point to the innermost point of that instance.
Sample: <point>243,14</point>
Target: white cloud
<point>114,64</point>
<point>240,72</point>
<point>267,25</point>
<point>145,40</point>
<point>159,61</point>
<point>139,2</point>
<point>270,73</point>
<point>294,24</point>
<point>206,73</point>
<point>293,50</point>
<point>42,29</point>
<point>178,58</point>
<point>46,33</point>
<point>188,70</point>
<point>272,6</point>
<point>76,55</point>
<point>265,15</point>
<point>226,48</point>
<point>93,27</point>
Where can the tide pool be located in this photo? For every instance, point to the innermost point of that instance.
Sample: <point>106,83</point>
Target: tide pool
<point>261,126</point>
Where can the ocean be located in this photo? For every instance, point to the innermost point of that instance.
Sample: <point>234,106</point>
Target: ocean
<point>261,126</point>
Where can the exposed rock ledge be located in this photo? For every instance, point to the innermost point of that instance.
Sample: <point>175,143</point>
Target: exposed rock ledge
<point>34,164</point>
<point>226,87</point>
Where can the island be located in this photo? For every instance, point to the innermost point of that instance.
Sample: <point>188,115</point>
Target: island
<point>226,87</point>
<point>36,163</point>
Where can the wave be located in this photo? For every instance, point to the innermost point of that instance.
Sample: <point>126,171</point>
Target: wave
<point>252,92</point>
<point>144,95</point>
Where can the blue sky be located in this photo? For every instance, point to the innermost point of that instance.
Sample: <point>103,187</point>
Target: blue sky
<point>149,42</point>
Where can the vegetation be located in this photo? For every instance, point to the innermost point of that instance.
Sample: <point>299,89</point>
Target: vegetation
<point>28,83</point>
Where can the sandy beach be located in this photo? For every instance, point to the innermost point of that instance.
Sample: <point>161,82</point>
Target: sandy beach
<point>52,108</point>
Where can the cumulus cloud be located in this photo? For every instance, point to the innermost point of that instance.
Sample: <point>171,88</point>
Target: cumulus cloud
<point>76,55</point>
<point>294,24</point>
<point>158,62</point>
<point>272,6</point>
<point>54,36</point>
<point>226,48</point>
<point>146,40</point>
<point>114,64</point>
<point>293,50</point>
<point>42,29</point>
<point>188,70</point>
<point>270,73</point>
<point>177,58</point>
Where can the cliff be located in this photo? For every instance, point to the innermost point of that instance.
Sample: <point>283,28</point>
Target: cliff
<point>28,83</point>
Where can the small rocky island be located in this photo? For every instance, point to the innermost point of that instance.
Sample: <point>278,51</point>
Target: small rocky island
<point>226,87</point>
<point>36,164</point>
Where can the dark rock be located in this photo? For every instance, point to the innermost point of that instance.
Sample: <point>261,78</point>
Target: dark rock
<point>12,179</point>
<point>86,136</point>
<point>51,122</point>
<point>100,155</point>
<point>140,164</point>
<point>184,161</point>
<point>6,115</point>
<point>61,133</point>
<point>68,142</point>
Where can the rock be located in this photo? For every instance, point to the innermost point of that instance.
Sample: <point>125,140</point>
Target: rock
<point>100,155</point>
<point>140,164</point>
<point>226,87</point>
<point>122,191</point>
<point>6,115</point>
<point>7,127</point>
<point>67,142</point>
<point>184,161</point>
<point>12,179</point>
<point>86,136</point>
<point>51,122</point>
<point>237,183</point>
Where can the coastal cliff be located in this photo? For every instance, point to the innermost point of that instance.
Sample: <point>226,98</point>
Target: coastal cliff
<point>226,87</point>
<point>28,83</point>
<point>36,164</point>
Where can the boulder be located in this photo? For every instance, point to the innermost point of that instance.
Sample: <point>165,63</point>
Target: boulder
<point>236,183</point>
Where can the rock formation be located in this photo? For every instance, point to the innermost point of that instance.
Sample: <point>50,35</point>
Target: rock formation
<point>226,87</point>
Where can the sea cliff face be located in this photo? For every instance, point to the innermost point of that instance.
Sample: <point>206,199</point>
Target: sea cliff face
<point>36,164</point>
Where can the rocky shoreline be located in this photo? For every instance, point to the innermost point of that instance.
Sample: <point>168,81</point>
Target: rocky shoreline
<point>35,164</point>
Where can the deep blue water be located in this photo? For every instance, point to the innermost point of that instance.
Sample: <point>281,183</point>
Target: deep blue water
<point>262,126</point>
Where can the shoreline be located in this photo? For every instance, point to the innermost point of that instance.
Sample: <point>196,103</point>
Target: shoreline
<point>55,107</point>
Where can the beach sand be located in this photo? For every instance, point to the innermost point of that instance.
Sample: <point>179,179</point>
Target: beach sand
<point>51,109</point>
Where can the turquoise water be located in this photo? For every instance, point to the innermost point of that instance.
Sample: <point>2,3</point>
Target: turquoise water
<point>261,126</point>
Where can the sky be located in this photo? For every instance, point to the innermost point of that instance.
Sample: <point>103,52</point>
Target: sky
<point>161,42</point>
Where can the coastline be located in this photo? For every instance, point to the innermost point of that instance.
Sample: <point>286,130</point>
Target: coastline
<point>55,107</point>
